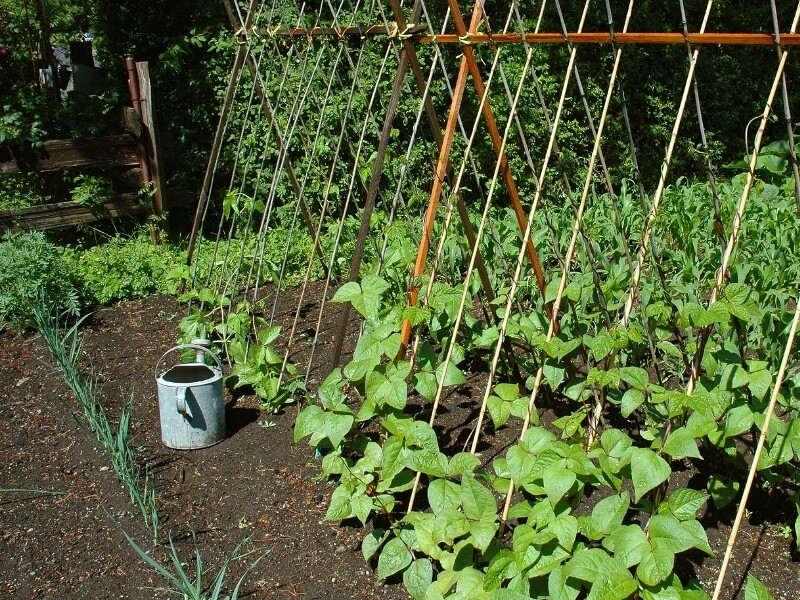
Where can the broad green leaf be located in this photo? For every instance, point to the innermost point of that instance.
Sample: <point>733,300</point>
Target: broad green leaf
<point>615,442</point>
<point>393,558</point>
<point>602,377</point>
<point>755,590</point>
<point>628,543</point>
<point>734,376</point>
<point>389,387</point>
<point>648,470</point>
<point>463,462</point>
<point>482,531</point>
<point>609,576</point>
<point>330,392</point>
<point>507,391</point>
<point>361,507</point>
<point>738,420</point>
<point>391,465</point>
<point>425,384</point>
<point>760,382</point>
<point>631,400</point>
<point>668,533</point>
<point>449,525</point>
<point>550,557</point>
<point>422,435</point>
<point>565,528</point>
<point>337,426</point>
<point>478,502</point>
<point>722,492</point>
<point>680,444</point>
<point>499,410</point>
<point>365,297</point>
<point>498,569</point>
<point>695,528</point>
<point>635,377</point>
<point>607,515</point>
<point>520,464</point>
<point>429,462</point>
<point>373,540</point>
<point>560,587</point>
<point>601,346</point>
<point>557,481</point>
<point>685,502</point>
<point>538,439</point>
<point>454,376</point>
<point>554,375</point>
<point>310,419</point>
<point>443,494</point>
<point>339,508</point>
<point>656,566</point>
<point>418,578</point>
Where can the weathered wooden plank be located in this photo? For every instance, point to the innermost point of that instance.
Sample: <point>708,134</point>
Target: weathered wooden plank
<point>111,151</point>
<point>67,214</point>
<point>149,124</point>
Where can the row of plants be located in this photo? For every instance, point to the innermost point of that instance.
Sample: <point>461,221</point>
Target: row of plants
<point>373,449</point>
<point>65,348</point>
<point>126,266</point>
<point>137,478</point>
<point>598,512</point>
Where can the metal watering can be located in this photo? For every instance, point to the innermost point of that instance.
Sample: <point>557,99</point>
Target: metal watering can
<point>190,401</point>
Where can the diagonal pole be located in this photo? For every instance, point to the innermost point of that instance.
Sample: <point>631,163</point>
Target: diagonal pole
<point>438,182</point>
<point>216,146</point>
<point>494,134</point>
<point>374,185</point>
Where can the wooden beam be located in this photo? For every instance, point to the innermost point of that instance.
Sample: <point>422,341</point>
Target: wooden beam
<point>67,214</point>
<point>150,132</point>
<point>588,37</point>
<point>110,151</point>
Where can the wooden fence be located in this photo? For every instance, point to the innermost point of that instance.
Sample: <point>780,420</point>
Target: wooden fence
<point>137,151</point>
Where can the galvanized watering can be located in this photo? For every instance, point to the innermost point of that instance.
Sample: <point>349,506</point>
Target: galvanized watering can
<point>190,401</point>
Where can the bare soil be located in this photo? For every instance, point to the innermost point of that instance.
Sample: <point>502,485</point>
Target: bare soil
<point>63,511</point>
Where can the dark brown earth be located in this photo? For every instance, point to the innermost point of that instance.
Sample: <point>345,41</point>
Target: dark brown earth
<point>63,538</point>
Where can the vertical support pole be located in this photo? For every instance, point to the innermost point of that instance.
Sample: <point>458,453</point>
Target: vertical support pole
<point>438,182</point>
<point>372,190</point>
<point>151,138</point>
<point>144,158</point>
<point>436,131</point>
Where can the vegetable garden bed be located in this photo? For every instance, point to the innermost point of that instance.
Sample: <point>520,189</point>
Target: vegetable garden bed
<point>66,539</point>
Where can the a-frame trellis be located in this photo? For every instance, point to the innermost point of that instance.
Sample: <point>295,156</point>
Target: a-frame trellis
<point>294,53</point>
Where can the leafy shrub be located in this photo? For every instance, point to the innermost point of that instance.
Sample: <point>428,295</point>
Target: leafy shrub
<point>30,266</point>
<point>122,269</point>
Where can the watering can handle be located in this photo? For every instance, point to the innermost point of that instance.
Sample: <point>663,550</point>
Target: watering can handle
<point>194,347</point>
<point>180,402</point>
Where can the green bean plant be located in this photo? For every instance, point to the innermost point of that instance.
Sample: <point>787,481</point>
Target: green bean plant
<point>596,512</point>
<point>246,342</point>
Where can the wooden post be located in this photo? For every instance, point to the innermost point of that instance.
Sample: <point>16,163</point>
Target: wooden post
<point>374,184</point>
<point>438,182</point>
<point>144,160</point>
<point>149,131</point>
